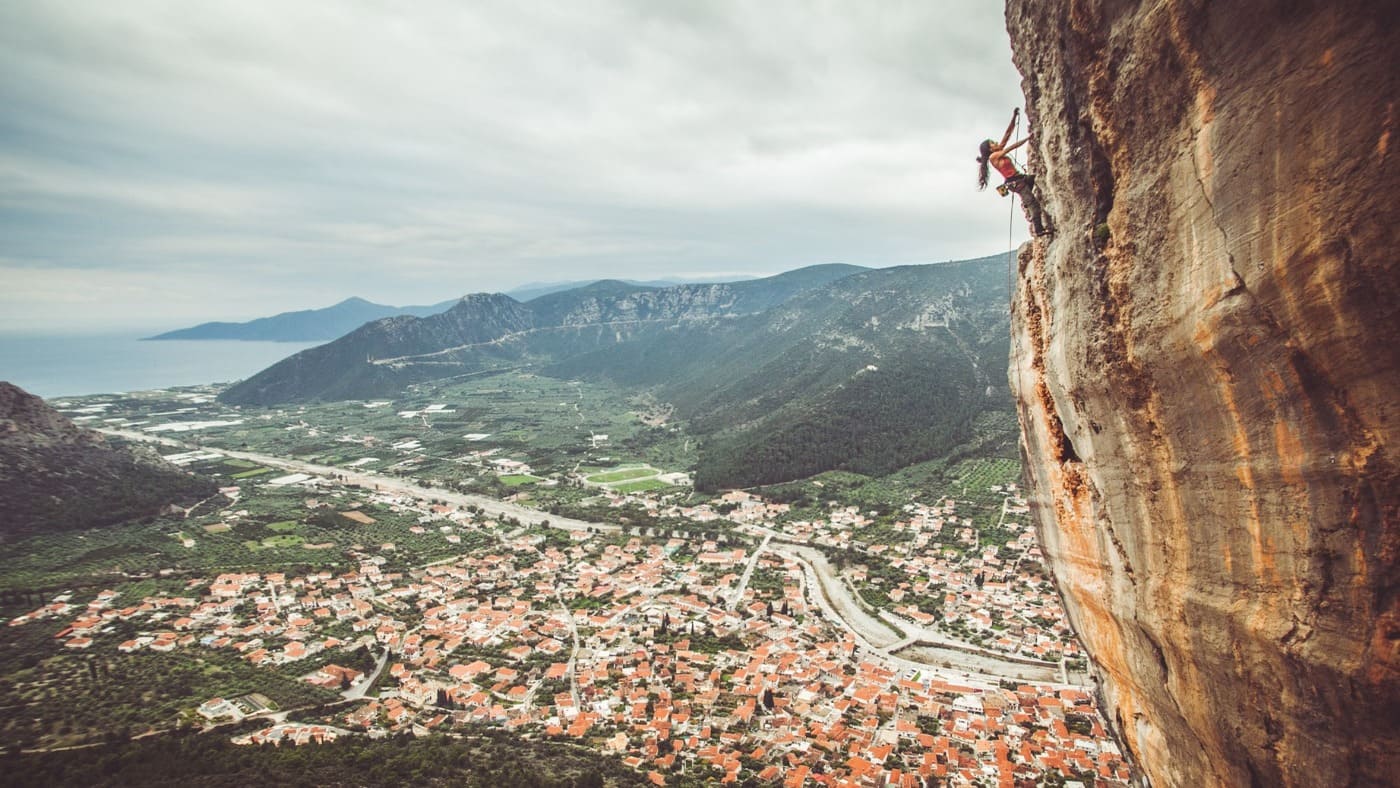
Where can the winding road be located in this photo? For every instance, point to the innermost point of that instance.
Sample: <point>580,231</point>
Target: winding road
<point>953,660</point>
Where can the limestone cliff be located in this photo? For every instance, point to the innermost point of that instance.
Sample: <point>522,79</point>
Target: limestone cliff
<point>1207,361</point>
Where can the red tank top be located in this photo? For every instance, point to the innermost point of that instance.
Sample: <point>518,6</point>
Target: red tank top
<point>1005,166</point>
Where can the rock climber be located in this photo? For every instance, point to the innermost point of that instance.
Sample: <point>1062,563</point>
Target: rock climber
<point>1023,184</point>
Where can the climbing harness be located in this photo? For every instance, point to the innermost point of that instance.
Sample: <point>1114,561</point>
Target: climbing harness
<point>1008,186</point>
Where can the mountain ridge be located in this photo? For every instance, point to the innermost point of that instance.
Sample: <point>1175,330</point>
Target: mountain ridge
<point>336,320</point>
<point>377,358</point>
<point>806,372</point>
<point>789,361</point>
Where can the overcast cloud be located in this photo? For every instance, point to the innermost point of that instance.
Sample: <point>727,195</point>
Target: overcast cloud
<point>163,163</point>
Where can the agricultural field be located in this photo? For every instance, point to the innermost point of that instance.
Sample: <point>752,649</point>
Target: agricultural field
<point>622,475</point>
<point>645,485</point>
<point>490,435</point>
<point>248,474</point>
<point>985,478</point>
<point>285,540</point>
<point>497,435</point>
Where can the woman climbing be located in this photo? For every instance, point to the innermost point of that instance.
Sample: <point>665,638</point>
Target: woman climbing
<point>995,153</point>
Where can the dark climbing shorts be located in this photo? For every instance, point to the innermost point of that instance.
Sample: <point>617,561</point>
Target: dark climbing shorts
<point>1024,187</point>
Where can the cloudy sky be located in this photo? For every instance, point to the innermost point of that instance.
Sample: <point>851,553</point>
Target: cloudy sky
<point>164,163</point>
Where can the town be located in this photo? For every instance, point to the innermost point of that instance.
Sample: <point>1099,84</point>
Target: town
<point>700,640</point>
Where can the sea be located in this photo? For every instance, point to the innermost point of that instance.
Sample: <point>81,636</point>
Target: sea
<point>62,366</point>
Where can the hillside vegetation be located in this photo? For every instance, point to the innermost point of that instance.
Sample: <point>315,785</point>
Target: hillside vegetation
<point>487,759</point>
<point>869,374</point>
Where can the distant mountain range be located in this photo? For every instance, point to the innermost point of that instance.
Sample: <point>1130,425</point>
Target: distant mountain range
<point>307,325</point>
<point>57,475</point>
<point>826,367</point>
<point>321,325</point>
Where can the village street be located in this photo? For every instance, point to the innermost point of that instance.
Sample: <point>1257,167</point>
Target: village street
<point>358,691</point>
<point>743,583</point>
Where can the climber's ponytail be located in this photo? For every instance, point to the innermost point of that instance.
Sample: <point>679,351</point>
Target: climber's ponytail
<point>982,164</point>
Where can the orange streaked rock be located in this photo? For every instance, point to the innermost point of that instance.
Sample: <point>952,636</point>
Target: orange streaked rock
<point>1209,402</point>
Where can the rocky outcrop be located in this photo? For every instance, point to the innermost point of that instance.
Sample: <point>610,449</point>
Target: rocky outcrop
<point>55,475</point>
<point>1207,361</point>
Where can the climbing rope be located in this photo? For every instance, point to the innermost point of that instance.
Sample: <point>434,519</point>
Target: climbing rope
<point>1011,262</point>
<point>1011,225</point>
<point>1010,250</point>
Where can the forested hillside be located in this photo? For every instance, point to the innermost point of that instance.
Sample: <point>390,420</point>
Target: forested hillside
<point>870,373</point>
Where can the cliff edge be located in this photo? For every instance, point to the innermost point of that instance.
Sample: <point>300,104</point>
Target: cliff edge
<point>1207,363</point>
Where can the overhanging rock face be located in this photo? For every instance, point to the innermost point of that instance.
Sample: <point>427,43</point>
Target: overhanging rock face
<point>1207,361</point>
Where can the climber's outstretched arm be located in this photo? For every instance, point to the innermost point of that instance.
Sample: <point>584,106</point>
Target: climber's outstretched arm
<point>1015,145</point>
<point>1010,127</point>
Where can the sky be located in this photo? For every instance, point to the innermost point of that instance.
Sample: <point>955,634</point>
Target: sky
<point>167,163</point>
